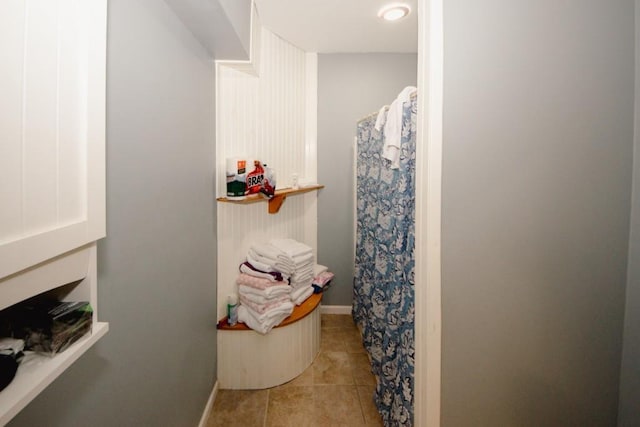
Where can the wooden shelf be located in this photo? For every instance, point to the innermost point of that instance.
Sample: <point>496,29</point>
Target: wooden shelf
<point>299,312</point>
<point>276,201</point>
<point>38,372</point>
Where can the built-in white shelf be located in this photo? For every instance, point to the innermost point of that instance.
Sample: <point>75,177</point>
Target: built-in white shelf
<point>38,371</point>
<point>54,166</point>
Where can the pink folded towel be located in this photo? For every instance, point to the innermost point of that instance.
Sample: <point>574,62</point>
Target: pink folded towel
<point>255,282</point>
<point>264,307</point>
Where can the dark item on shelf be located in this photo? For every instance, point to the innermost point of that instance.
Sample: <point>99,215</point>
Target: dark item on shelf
<point>8,368</point>
<point>47,326</point>
<point>319,289</point>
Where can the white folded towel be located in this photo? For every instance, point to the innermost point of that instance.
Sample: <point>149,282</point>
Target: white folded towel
<point>270,292</point>
<point>285,307</point>
<point>295,294</point>
<point>292,247</point>
<point>264,300</point>
<point>303,295</point>
<point>259,264</point>
<point>317,269</point>
<point>302,274</point>
<point>300,286</point>
<point>301,282</point>
<point>266,250</point>
<point>244,316</point>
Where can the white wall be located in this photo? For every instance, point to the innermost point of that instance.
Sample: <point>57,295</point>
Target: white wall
<point>538,138</point>
<point>262,118</point>
<point>157,364</point>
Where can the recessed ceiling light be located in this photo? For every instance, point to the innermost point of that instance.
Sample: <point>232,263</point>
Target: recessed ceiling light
<point>393,12</point>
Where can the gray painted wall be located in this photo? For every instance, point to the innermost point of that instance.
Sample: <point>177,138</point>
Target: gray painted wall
<point>157,364</point>
<point>219,25</point>
<point>538,134</point>
<point>238,13</point>
<point>350,86</point>
<point>629,409</point>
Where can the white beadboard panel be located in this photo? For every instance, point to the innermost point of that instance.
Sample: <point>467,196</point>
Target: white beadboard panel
<point>40,117</point>
<point>43,116</point>
<point>12,28</point>
<point>311,119</point>
<point>71,189</point>
<point>262,117</point>
<point>52,121</point>
<point>241,368</point>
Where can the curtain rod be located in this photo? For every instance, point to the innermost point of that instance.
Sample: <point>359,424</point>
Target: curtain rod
<point>386,107</point>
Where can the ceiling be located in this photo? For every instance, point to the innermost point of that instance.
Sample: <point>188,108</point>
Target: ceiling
<point>340,26</point>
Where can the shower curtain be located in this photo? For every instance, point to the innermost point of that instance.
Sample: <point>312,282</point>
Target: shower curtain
<point>384,269</point>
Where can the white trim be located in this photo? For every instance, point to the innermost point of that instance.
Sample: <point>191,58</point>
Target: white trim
<point>209,407</point>
<point>354,153</point>
<point>335,309</point>
<point>252,65</point>
<point>36,372</point>
<point>428,322</point>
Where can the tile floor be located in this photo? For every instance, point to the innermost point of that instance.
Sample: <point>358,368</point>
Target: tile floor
<point>336,390</point>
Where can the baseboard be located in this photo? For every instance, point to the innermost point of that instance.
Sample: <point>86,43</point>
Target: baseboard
<point>209,407</point>
<point>335,309</point>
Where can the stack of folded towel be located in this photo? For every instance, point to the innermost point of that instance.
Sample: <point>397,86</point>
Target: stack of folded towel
<point>265,301</point>
<point>322,278</point>
<point>266,257</point>
<point>298,259</point>
<point>275,276</point>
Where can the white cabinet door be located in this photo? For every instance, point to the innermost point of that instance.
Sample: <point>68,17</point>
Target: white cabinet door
<point>52,128</point>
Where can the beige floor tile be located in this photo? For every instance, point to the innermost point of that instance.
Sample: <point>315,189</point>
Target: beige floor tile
<point>332,367</point>
<point>241,408</point>
<point>337,320</point>
<point>290,407</point>
<point>336,390</point>
<point>337,405</point>
<point>353,341</point>
<point>361,368</point>
<point>332,339</point>
<point>305,378</point>
<point>369,410</point>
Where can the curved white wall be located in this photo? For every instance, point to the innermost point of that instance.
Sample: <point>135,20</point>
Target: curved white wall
<point>263,117</point>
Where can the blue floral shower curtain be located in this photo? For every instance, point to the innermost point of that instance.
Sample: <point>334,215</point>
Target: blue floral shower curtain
<point>384,272</point>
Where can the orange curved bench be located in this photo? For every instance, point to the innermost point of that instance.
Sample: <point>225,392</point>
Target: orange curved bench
<point>299,312</point>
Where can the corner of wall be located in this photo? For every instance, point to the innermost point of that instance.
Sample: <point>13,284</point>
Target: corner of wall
<point>251,66</point>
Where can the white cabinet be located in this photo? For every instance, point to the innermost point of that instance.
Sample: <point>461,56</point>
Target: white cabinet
<point>52,122</point>
<point>52,163</point>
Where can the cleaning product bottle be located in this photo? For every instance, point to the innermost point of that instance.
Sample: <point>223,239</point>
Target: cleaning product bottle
<point>232,309</point>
